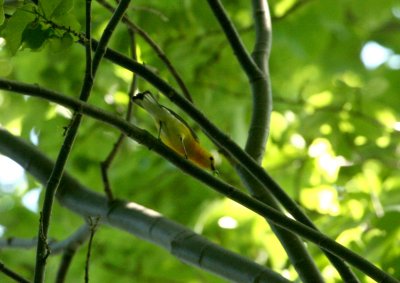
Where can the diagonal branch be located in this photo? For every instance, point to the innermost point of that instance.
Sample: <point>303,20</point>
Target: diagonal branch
<point>106,163</point>
<point>245,60</point>
<point>139,221</point>
<point>255,69</point>
<point>243,159</point>
<point>261,53</point>
<point>11,274</point>
<point>260,124</point>
<point>186,166</point>
<point>55,177</point>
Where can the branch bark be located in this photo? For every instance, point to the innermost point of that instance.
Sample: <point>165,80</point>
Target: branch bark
<point>256,68</point>
<point>55,177</point>
<point>138,220</point>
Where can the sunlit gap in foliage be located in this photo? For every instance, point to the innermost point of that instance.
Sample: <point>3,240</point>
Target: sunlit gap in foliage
<point>374,55</point>
<point>227,222</point>
<point>298,141</point>
<point>396,126</point>
<point>396,12</point>
<point>34,136</point>
<point>31,199</point>
<point>11,175</point>
<point>225,213</point>
<point>63,111</point>
<point>323,197</point>
<point>321,150</point>
<point>13,179</point>
<point>282,7</point>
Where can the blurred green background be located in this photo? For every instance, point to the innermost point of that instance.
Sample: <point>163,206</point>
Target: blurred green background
<point>334,143</point>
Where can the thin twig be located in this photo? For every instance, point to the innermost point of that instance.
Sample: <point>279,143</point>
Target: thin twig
<point>11,274</point>
<point>156,49</point>
<point>44,223</point>
<point>104,165</point>
<point>74,241</point>
<point>151,10</point>
<point>108,31</point>
<point>65,263</point>
<point>55,177</point>
<point>93,222</point>
<point>69,248</point>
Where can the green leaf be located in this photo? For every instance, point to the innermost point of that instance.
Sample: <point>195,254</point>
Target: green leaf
<point>34,36</point>
<point>61,44</point>
<point>16,26</point>
<point>69,21</point>
<point>55,8</point>
<point>63,8</point>
<point>49,6</point>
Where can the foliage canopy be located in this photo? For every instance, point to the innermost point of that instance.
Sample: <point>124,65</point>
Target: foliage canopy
<point>333,143</point>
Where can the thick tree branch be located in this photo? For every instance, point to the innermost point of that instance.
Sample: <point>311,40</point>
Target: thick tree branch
<point>258,131</point>
<point>147,139</point>
<point>256,72</point>
<point>260,123</point>
<point>261,89</point>
<point>261,53</point>
<point>139,221</point>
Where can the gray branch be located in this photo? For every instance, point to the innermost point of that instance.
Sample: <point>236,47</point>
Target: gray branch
<point>140,221</point>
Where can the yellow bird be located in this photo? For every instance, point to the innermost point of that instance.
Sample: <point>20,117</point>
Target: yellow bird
<point>174,131</point>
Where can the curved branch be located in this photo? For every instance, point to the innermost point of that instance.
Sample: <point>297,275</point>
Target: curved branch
<point>255,144</point>
<point>263,32</point>
<point>247,63</point>
<point>256,69</point>
<point>258,207</point>
<point>261,89</point>
<point>261,53</point>
<point>139,221</point>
